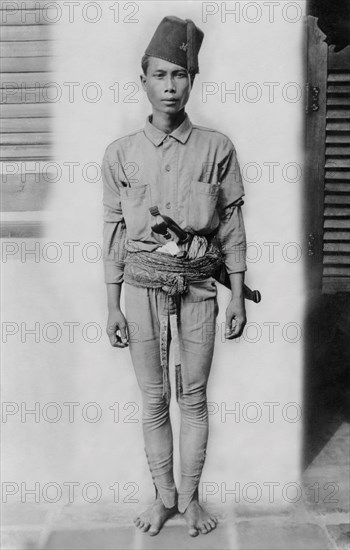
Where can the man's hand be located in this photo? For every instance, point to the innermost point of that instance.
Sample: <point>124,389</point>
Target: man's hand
<point>235,318</point>
<point>117,324</point>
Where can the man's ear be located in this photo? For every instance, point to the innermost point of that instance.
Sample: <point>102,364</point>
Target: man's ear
<point>143,81</point>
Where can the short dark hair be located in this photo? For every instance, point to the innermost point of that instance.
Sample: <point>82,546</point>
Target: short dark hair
<point>145,63</point>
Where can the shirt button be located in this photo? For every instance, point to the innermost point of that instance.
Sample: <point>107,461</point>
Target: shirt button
<point>167,168</point>
<point>168,205</point>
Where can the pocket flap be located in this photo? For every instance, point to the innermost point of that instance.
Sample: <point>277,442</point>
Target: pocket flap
<point>206,188</point>
<point>129,192</point>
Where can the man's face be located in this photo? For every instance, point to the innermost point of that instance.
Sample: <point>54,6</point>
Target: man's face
<point>168,86</point>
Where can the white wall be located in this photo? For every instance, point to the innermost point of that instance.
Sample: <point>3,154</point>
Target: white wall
<point>262,367</point>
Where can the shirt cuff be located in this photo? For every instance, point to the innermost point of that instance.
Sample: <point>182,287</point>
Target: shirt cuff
<point>114,273</point>
<point>235,260</point>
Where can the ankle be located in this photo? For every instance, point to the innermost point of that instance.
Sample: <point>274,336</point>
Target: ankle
<point>195,498</point>
<point>158,499</point>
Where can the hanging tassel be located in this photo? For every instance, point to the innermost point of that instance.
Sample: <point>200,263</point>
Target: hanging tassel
<point>176,342</point>
<point>164,356</point>
<point>178,378</point>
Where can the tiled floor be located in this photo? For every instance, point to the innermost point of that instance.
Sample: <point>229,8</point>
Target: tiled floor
<point>319,521</point>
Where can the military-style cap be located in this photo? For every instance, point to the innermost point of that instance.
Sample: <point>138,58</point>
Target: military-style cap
<point>178,41</point>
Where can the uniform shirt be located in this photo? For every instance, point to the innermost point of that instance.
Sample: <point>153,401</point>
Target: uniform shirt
<point>191,174</point>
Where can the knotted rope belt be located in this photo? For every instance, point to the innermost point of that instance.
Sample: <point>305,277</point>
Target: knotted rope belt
<point>172,275</point>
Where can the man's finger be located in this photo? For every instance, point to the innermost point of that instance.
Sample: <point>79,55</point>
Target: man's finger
<point>229,320</point>
<point>115,340</point>
<point>235,331</point>
<point>229,326</point>
<point>120,344</point>
<point>123,334</point>
<point>112,329</point>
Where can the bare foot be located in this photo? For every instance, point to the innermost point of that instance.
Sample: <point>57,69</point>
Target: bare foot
<point>198,519</point>
<point>153,519</point>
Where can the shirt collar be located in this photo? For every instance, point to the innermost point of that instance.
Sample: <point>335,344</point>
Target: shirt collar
<point>181,133</point>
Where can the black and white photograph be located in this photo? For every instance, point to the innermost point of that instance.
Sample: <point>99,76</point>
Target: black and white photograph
<point>175,261</point>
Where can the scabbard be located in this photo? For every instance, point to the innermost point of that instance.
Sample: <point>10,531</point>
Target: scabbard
<point>222,277</point>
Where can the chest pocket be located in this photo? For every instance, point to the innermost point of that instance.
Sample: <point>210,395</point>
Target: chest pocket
<point>135,204</point>
<point>202,214</point>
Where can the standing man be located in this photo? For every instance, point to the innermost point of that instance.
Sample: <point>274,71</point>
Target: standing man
<point>191,174</point>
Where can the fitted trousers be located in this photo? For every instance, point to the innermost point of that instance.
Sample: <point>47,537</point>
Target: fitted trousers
<point>196,322</point>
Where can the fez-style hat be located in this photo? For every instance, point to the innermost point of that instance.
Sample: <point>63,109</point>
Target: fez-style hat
<point>178,41</point>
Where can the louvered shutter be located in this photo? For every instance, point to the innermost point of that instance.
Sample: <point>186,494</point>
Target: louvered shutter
<point>328,163</point>
<point>26,133</point>
<point>336,246</point>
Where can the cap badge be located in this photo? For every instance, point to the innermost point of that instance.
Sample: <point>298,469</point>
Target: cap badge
<point>183,46</point>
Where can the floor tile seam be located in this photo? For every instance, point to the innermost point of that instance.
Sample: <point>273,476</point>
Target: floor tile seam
<point>321,521</point>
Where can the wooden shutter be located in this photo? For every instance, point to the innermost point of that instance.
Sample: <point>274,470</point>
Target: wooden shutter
<point>328,163</point>
<point>336,246</point>
<point>26,132</point>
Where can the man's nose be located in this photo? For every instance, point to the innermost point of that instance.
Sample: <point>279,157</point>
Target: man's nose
<point>169,84</point>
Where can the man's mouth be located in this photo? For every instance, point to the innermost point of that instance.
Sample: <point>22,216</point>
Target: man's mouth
<point>169,100</point>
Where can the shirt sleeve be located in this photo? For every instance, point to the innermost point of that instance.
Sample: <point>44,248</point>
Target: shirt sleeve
<point>114,230</point>
<point>231,233</point>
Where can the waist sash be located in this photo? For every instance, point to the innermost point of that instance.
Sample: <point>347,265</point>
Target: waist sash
<point>172,275</point>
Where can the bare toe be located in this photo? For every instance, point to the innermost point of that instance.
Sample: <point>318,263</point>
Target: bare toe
<point>153,519</point>
<point>198,519</point>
